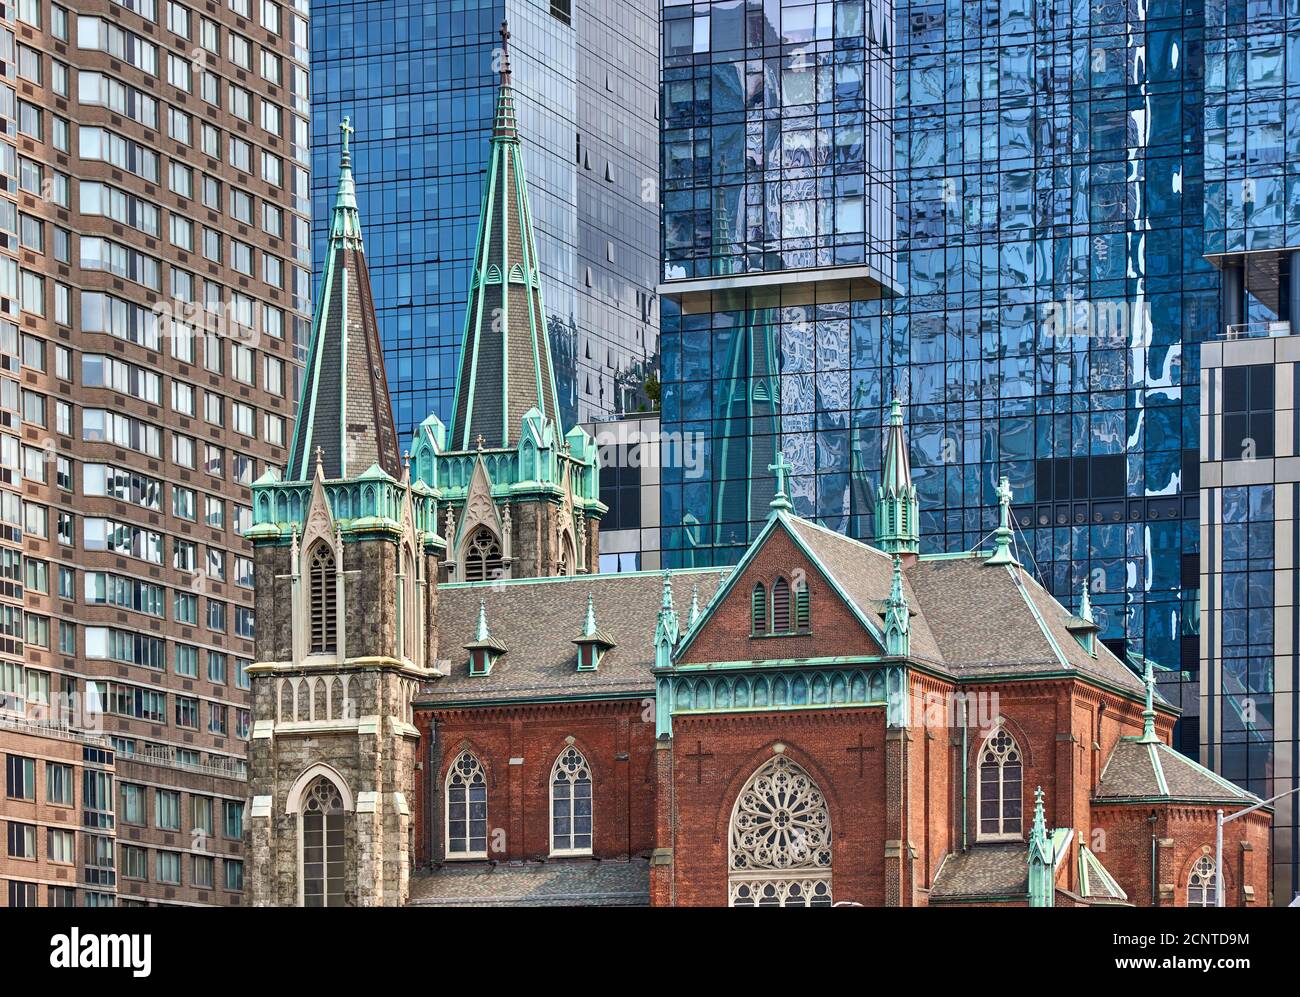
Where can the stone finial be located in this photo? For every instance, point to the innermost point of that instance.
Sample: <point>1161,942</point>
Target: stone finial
<point>897,615</point>
<point>320,462</point>
<point>695,607</point>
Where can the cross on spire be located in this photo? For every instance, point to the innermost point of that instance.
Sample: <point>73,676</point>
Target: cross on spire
<point>345,126</point>
<point>1149,714</point>
<point>781,500</point>
<point>1003,535</point>
<point>505,51</point>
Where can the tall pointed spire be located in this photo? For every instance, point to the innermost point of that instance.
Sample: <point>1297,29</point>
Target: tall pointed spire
<point>345,417</point>
<point>505,357</point>
<point>667,628</point>
<point>897,509</point>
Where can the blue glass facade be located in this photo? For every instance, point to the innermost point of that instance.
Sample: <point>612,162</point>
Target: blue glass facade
<point>419,80</point>
<point>1051,296</point>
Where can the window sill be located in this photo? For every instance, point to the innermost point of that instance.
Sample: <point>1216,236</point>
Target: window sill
<point>790,633</point>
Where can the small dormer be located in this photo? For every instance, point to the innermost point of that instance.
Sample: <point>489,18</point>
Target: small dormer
<point>484,649</point>
<point>592,642</point>
<point>1083,627</point>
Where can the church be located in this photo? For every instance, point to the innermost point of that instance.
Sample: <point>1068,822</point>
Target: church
<point>453,707</point>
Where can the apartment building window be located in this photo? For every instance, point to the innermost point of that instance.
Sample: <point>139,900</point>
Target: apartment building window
<point>216,667</point>
<point>178,19</point>
<point>218,719</point>
<point>97,799</point>
<point>233,819</point>
<point>58,784</point>
<point>62,846</point>
<point>234,875</point>
<point>1248,412</point>
<point>203,814</point>
<point>187,713</point>
<point>167,809</point>
<point>187,661</point>
<point>562,10</point>
<point>202,872</point>
<point>22,840</point>
<point>185,608</point>
<point>20,777</point>
<point>135,862</point>
<point>133,802</point>
<point>169,867</point>
<point>22,894</point>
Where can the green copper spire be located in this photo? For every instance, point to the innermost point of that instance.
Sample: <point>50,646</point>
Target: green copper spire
<point>505,358</point>
<point>1149,713</point>
<point>589,625</point>
<point>346,221</point>
<point>667,629</point>
<point>1003,535</point>
<point>1042,858</point>
<point>1085,606</point>
<point>897,511</point>
<point>344,412</point>
<point>481,632</point>
<point>897,622</point>
<point>780,501</point>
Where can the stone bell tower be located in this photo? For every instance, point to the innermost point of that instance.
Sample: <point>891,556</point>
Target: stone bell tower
<point>346,561</point>
<point>518,497</point>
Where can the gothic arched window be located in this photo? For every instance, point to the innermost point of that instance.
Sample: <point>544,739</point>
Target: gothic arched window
<point>323,860</point>
<point>1201,883</point>
<point>409,615</point>
<point>780,852</point>
<point>780,606</point>
<point>571,804</point>
<point>322,575</point>
<point>758,609</point>
<point>466,808</point>
<point>482,556</point>
<point>1000,772</point>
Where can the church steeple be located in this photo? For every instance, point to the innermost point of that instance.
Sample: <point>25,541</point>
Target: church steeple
<point>344,411</point>
<point>897,512</point>
<point>505,360</point>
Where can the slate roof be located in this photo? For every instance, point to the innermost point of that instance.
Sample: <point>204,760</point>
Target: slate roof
<point>1096,884</point>
<point>969,617</point>
<point>536,619</point>
<point>578,883</point>
<point>1146,770</point>
<point>982,872</point>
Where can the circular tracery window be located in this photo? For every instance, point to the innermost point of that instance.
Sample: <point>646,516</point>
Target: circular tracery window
<point>780,821</point>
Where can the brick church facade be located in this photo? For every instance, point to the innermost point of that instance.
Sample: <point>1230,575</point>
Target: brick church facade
<point>453,707</point>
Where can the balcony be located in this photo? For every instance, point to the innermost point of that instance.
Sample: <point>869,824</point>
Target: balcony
<point>1257,330</point>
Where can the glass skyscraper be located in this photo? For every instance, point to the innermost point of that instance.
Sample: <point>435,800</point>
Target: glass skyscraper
<point>419,80</point>
<point>1039,308</point>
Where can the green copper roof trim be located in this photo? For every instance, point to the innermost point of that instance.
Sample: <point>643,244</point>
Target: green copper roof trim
<point>1090,866</point>
<point>1011,567</point>
<point>577,579</point>
<point>423,702</point>
<point>834,661</point>
<point>310,386</point>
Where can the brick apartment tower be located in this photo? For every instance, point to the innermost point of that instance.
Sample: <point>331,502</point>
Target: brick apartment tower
<point>156,170</point>
<point>346,562</point>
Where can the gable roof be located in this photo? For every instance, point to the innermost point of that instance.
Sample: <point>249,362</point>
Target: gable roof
<point>983,872</point>
<point>1140,770</point>
<point>794,528</point>
<point>536,618</point>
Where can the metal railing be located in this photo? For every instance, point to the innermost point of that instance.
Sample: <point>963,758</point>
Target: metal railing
<point>1257,330</point>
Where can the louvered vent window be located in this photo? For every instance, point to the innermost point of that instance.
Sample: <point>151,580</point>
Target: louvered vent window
<point>781,607</point>
<point>324,600</point>
<point>758,609</point>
